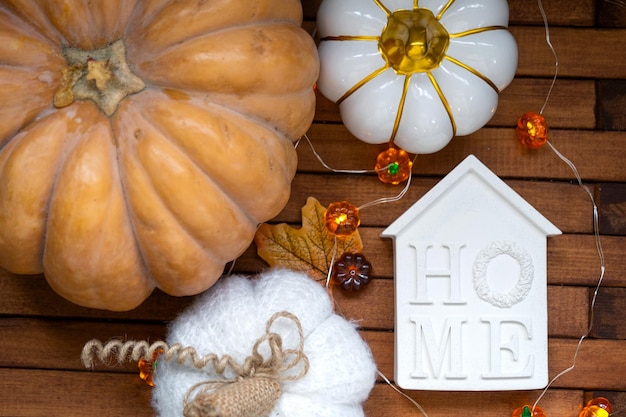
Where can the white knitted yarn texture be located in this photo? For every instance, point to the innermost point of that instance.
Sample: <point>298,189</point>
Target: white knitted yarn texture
<point>232,315</point>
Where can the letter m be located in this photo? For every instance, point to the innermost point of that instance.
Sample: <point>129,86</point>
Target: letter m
<point>432,352</point>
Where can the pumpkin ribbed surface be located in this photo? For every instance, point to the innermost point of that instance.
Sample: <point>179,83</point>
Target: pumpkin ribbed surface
<point>120,190</point>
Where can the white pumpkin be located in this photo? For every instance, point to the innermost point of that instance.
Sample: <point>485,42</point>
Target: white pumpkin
<point>233,314</point>
<point>415,75</point>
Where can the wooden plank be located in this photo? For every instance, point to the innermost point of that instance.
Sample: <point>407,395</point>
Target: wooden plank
<point>585,374</point>
<point>385,402</point>
<point>568,311</point>
<point>611,13</point>
<point>70,394</point>
<point>498,148</point>
<point>574,259</point>
<point>589,373</point>
<point>546,197</point>
<point>56,343</point>
<point>606,59</point>
<point>34,393</point>
<point>571,104</point>
<point>612,208</point>
<point>521,12</point>
<point>608,322</point>
<point>558,13</point>
<point>120,393</point>
<point>373,308</point>
<point>24,295</point>
<point>611,104</point>
<point>600,364</point>
<point>503,154</point>
<point>568,308</point>
<point>309,8</point>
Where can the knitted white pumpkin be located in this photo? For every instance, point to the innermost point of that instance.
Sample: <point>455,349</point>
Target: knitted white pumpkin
<point>233,315</point>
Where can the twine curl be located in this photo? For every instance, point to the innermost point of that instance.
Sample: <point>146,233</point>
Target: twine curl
<point>254,390</point>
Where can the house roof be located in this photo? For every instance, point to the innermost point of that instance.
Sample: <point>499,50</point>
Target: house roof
<point>471,164</point>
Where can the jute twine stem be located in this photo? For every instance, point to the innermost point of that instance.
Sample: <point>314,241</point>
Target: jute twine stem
<point>252,393</point>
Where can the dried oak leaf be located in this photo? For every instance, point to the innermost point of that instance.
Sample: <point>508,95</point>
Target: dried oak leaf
<point>309,248</point>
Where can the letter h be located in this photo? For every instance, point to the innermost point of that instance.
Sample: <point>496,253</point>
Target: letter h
<point>453,272</point>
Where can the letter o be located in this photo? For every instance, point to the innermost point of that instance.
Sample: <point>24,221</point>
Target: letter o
<point>524,281</point>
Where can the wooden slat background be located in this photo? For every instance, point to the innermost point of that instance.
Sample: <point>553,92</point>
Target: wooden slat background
<point>41,335</point>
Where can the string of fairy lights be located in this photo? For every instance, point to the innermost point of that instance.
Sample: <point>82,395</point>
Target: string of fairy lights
<point>394,166</point>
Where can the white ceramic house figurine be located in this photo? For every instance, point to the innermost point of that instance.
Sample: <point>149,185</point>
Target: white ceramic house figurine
<point>470,273</point>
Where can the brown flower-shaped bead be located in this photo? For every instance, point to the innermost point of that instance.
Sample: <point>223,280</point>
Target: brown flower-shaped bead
<point>351,271</point>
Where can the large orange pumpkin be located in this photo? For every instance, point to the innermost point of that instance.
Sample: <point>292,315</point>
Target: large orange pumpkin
<point>142,142</point>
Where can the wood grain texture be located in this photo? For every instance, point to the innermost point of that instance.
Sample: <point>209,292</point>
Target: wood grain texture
<point>496,147</point>
<point>611,14</point>
<point>609,314</point>
<point>41,335</point>
<point>612,209</point>
<point>115,394</point>
<point>611,105</point>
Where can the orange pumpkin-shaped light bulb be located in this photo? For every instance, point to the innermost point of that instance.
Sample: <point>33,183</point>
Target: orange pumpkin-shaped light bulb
<point>342,218</point>
<point>528,411</point>
<point>147,367</point>
<point>393,166</point>
<point>593,411</point>
<point>596,407</point>
<point>532,130</point>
